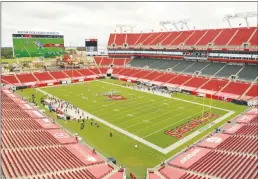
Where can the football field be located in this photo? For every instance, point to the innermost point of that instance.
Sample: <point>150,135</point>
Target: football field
<point>143,114</point>
<point>139,116</point>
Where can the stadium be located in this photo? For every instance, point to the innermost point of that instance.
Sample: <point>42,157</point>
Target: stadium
<point>178,103</point>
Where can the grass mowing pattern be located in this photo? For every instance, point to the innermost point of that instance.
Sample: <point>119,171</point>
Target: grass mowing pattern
<point>122,147</point>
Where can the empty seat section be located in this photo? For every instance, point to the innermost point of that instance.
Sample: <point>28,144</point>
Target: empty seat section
<point>208,37</point>
<point>73,73</point>
<point>95,71</point>
<point>241,144</point>
<point>152,37</point>
<point>180,79</point>
<point>196,67</point>
<point>212,69</point>
<point>117,70</point>
<point>169,64</point>
<point>253,91</point>
<point>165,77</point>
<point>26,78</point>
<point>119,61</point>
<point>182,65</point>
<point>141,62</point>
<point>242,36</point>
<point>182,37</point>
<point>120,39</point>
<point>215,84</point>
<point>142,74</point>
<point>10,79</point>
<point>229,70</point>
<point>132,38</point>
<point>224,37</point>
<point>196,82</point>
<point>86,72</point>
<point>106,61</point>
<point>98,60</point>
<point>59,74</point>
<point>249,72</point>
<point>225,165</point>
<point>254,39</point>
<point>160,38</point>
<point>103,70</point>
<point>153,75</point>
<point>142,38</point>
<point>236,88</point>
<point>157,63</point>
<point>43,76</point>
<point>127,60</point>
<point>111,39</point>
<point>170,38</point>
<point>195,37</point>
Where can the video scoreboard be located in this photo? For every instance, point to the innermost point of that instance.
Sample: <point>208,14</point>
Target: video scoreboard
<point>37,44</point>
<point>91,47</point>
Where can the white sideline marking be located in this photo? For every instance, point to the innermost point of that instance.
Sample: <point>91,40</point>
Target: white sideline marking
<point>149,144</point>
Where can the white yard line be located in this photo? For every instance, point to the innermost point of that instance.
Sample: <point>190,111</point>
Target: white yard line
<point>149,144</point>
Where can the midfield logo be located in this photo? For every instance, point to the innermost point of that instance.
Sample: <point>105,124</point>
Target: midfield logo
<point>116,97</point>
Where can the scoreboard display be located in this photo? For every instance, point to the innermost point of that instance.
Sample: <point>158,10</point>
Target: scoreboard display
<point>37,44</point>
<point>91,46</point>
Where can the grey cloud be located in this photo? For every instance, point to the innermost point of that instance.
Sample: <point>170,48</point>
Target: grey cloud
<point>80,20</point>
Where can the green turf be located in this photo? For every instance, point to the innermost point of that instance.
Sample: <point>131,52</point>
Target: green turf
<point>26,47</point>
<point>162,114</point>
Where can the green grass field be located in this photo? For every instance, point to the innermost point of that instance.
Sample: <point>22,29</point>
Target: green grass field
<point>26,47</point>
<point>145,115</point>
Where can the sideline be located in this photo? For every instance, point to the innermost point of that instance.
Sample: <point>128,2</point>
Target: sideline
<point>149,144</point>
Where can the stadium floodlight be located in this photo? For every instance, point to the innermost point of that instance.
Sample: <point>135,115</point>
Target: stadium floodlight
<point>174,23</point>
<point>245,16</point>
<point>121,26</point>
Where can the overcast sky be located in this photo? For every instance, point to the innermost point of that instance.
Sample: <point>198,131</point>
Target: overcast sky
<point>80,20</point>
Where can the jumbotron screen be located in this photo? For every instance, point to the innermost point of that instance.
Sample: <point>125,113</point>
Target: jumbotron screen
<point>37,44</point>
<point>91,46</point>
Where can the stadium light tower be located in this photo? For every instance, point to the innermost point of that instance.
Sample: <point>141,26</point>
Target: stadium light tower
<point>174,23</point>
<point>245,16</point>
<point>121,26</point>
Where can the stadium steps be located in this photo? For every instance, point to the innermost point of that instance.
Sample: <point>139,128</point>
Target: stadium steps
<point>253,34</point>
<point>187,81</point>
<point>101,60</point>
<point>187,67</point>
<point>233,36</point>
<point>80,73</point>
<point>151,42</point>
<point>51,76</point>
<point>161,42</point>
<point>217,36</point>
<point>36,78</point>
<point>254,82</point>
<point>189,37</point>
<point>114,39</point>
<point>201,38</point>
<point>125,39</point>
<point>240,70</point>
<point>219,70</point>
<point>223,87</point>
<point>66,74</point>
<point>175,39</point>
<point>146,39</point>
<point>136,42</point>
<point>17,78</point>
<point>127,60</point>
